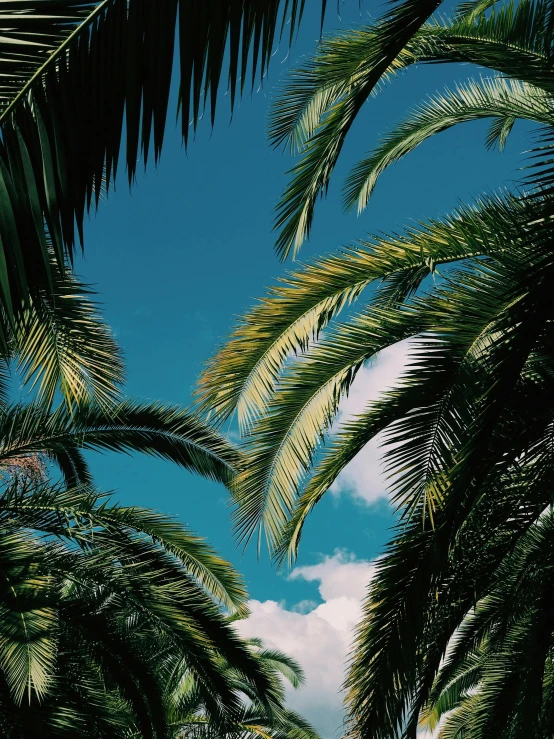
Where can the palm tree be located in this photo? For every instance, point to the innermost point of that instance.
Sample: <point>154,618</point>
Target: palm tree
<point>59,344</point>
<point>78,76</point>
<point>467,432</point>
<point>496,680</point>
<point>254,720</point>
<point>103,608</point>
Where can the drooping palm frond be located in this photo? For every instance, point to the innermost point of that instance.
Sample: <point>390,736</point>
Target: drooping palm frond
<point>425,587</point>
<point>498,98</point>
<point>159,430</point>
<point>320,100</point>
<point>390,36</point>
<point>61,344</point>
<point>254,719</point>
<point>244,372</point>
<point>467,416</point>
<point>292,402</point>
<point>127,590</point>
<point>78,75</point>
<point>70,512</point>
<point>28,618</point>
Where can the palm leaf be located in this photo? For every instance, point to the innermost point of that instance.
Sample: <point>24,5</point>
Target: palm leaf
<point>317,107</point>
<point>60,343</point>
<point>244,373</point>
<point>151,428</point>
<point>75,76</point>
<point>496,98</point>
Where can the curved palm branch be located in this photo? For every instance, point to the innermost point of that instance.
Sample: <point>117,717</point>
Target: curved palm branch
<point>318,105</point>
<point>254,720</point>
<point>151,428</point>
<point>303,394</point>
<point>60,343</point>
<point>483,334</point>
<point>70,512</point>
<point>411,612</point>
<point>76,76</point>
<point>243,374</point>
<point>498,98</point>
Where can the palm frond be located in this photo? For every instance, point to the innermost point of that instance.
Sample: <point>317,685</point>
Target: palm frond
<point>497,98</point>
<point>243,374</point>
<point>61,344</point>
<point>317,107</point>
<point>311,176</point>
<point>29,620</point>
<point>76,512</point>
<point>151,428</point>
<point>77,76</point>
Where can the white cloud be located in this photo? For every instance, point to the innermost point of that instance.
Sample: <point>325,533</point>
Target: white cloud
<point>364,477</point>
<point>318,636</point>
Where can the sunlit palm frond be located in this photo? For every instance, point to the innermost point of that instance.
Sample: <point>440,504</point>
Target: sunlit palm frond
<point>503,100</point>
<point>132,592</point>
<point>28,617</point>
<point>61,344</point>
<point>317,107</point>
<point>387,40</point>
<point>244,373</point>
<point>304,393</point>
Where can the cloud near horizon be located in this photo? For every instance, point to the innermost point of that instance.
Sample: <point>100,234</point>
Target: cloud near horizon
<point>317,635</point>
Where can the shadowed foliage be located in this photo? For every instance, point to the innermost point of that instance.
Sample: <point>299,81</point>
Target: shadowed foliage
<point>79,76</point>
<point>466,431</point>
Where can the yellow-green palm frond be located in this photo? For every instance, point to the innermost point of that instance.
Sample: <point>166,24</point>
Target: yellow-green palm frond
<point>243,375</point>
<point>61,344</point>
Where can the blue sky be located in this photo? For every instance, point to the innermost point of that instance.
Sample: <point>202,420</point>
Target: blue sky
<point>190,247</point>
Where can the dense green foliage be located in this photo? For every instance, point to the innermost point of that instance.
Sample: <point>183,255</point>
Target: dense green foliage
<point>466,431</point>
<point>114,621</point>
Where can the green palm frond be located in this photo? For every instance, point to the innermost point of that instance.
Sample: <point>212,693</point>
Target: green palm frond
<point>497,98</point>
<point>254,719</point>
<point>155,429</point>
<point>467,431</point>
<point>132,593</point>
<point>303,394</point>
<point>413,610</point>
<point>28,619</point>
<point>319,102</point>
<point>494,680</point>
<point>75,512</point>
<point>78,78</point>
<point>285,439</point>
<point>61,344</point>
<point>244,373</point>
